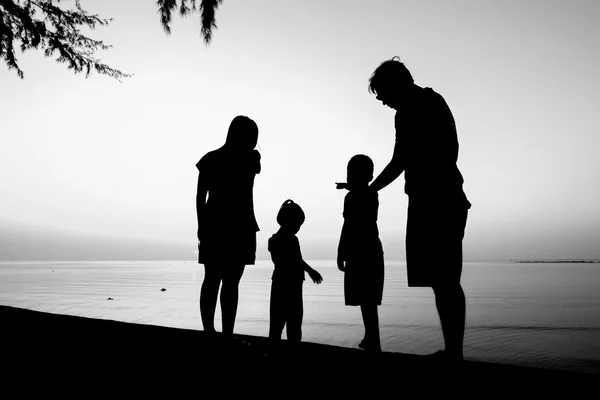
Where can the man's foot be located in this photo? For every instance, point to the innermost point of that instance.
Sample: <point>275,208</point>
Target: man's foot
<point>441,357</point>
<point>368,346</point>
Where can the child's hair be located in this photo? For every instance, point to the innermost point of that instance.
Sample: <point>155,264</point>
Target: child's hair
<point>362,165</point>
<point>290,213</point>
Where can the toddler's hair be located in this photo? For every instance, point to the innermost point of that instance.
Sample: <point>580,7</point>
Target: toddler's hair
<point>290,213</point>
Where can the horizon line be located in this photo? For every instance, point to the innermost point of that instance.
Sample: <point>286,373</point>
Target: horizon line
<point>513,260</point>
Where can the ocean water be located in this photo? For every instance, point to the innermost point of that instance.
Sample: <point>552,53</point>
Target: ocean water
<point>541,315</point>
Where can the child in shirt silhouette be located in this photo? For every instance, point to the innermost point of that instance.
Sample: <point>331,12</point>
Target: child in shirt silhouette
<point>360,253</point>
<point>288,276</point>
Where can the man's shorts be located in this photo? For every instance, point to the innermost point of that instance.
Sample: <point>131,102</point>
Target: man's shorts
<point>434,235</point>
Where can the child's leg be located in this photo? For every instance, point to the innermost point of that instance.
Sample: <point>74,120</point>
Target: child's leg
<point>371,320</point>
<point>208,297</point>
<point>277,311</point>
<point>295,313</point>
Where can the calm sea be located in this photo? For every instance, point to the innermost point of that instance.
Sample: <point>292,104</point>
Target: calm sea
<point>542,315</point>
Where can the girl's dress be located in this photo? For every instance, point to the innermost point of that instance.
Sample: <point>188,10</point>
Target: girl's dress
<point>228,218</point>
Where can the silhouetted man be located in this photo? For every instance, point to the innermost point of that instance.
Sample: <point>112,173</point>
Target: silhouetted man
<point>426,150</point>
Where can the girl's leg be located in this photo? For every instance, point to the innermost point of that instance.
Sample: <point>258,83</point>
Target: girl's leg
<point>371,320</point>
<point>208,297</point>
<point>229,296</point>
<point>295,313</point>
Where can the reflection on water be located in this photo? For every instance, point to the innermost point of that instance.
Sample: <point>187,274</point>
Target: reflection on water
<point>545,315</point>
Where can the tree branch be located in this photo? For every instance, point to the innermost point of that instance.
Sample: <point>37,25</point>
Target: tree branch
<point>207,9</point>
<point>20,23</point>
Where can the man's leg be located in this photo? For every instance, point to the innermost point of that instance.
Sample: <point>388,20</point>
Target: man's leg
<point>449,294</point>
<point>451,306</point>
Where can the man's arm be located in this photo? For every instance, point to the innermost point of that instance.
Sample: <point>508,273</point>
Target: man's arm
<point>392,171</point>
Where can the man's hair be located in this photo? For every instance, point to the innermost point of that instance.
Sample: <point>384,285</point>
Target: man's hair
<point>290,213</point>
<point>390,73</point>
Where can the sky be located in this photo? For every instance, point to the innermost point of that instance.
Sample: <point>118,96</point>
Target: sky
<point>97,168</point>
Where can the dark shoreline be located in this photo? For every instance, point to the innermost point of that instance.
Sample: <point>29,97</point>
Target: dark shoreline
<point>95,347</point>
<point>556,261</point>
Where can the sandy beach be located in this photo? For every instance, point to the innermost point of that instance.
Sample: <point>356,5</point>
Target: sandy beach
<point>38,344</point>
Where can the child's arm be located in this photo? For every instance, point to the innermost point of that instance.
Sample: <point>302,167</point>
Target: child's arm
<point>313,273</point>
<point>341,254</point>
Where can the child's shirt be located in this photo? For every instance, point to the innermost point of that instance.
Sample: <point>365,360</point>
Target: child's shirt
<point>286,255</point>
<point>360,235</point>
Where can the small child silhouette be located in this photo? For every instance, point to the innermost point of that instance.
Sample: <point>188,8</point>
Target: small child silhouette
<point>360,253</point>
<point>288,276</point>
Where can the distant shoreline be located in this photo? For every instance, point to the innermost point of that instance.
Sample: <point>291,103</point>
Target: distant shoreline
<point>534,261</point>
<point>556,261</point>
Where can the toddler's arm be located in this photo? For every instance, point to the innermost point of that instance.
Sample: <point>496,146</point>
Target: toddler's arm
<point>314,274</point>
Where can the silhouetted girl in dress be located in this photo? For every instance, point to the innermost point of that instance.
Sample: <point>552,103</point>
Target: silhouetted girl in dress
<point>226,223</point>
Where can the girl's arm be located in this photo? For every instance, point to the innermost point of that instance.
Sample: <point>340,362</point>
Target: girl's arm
<point>201,205</point>
<point>257,166</point>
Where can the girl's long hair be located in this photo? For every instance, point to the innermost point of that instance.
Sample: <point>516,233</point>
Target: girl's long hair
<point>242,134</point>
